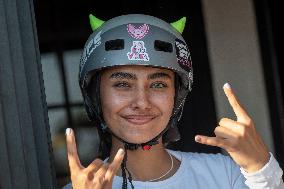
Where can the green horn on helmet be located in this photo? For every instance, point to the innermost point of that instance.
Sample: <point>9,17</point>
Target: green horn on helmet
<point>179,25</point>
<point>95,22</point>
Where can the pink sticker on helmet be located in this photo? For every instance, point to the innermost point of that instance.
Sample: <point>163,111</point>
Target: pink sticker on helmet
<point>138,51</point>
<point>138,33</point>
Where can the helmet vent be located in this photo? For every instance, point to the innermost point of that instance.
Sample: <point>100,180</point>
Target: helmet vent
<point>163,46</point>
<point>117,44</point>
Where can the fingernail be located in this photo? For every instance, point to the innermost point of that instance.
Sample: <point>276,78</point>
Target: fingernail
<point>227,85</point>
<point>68,131</point>
<point>197,138</point>
<point>120,151</point>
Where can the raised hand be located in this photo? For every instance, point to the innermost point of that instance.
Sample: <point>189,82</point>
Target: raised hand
<point>98,175</point>
<point>239,138</point>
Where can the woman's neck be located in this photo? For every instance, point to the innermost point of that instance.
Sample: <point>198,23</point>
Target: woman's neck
<point>146,165</point>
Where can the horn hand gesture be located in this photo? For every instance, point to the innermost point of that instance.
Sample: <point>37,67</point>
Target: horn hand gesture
<point>98,175</point>
<point>238,137</point>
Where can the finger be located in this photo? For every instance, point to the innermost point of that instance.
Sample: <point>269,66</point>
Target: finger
<point>73,159</point>
<point>224,133</point>
<point>99,176</point>
<point>230,124</point>
<point>94,166</point>
<point>237,108</point>
<point>115,165</point>
<point>212,141</point>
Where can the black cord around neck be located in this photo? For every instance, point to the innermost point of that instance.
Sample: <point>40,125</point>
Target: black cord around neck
<point>123,171</point>
<point>132,146</point>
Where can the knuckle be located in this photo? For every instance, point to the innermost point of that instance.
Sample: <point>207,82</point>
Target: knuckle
<point>217,142</point>
<point>234,102</point>
<point>249,121</point>
<point>246,120</point>
<point>222,121</point>
<point>219,131</point>
<point>211,141</point>
<point>73,174</point>
<point>204,140</point>
<point>72,177</point>
<point>90,176</point>
<point>98,161</point>
<point>106,166</point>
<point>99,179</point>
<point>111,169</point>
<point>243,132</point>
<point>107,184</point>
<point>234,145</point>
<point>215,130</point>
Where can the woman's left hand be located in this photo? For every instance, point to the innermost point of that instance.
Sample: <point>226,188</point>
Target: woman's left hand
<point>239,138</point>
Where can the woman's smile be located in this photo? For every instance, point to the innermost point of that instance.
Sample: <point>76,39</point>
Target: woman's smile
<point>139,119</point>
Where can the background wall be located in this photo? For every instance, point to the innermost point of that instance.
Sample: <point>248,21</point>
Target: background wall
<point>234,55</point>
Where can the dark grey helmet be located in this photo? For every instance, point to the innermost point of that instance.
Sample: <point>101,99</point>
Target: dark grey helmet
<point>137,39</point>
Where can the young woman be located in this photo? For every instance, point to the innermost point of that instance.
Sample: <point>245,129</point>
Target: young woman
<point>135,73</point>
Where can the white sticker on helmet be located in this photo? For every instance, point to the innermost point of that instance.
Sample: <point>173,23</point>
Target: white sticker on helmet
<point>90,47</point>
<point>138,51</point>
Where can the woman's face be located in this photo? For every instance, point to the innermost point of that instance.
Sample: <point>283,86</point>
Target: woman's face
<point>137,101</point>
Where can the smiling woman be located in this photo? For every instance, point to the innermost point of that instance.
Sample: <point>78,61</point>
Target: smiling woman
<point>135,73</point>
<point>137,101</point>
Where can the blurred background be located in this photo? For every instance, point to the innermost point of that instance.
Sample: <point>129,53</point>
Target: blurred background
<point>235,41</point>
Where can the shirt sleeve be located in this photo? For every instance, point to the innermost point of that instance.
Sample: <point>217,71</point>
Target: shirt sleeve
<point>268,177</point>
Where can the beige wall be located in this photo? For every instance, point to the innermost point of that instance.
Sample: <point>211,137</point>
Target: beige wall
<point>234,56</point>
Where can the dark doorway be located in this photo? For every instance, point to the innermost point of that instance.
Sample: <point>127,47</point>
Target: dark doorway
<point>268,17</point>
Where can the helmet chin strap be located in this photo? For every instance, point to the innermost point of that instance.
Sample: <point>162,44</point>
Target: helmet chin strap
<point>135,146</point>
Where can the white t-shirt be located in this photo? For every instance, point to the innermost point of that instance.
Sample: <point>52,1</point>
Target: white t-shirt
<point>212,171</point>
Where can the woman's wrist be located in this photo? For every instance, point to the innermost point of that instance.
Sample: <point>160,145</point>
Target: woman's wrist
<point>269,170</point>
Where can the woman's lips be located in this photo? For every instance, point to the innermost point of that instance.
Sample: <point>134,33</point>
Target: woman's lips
<point>139,119</point>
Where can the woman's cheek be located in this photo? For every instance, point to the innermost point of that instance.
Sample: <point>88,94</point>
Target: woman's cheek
<point>114,102</point>
<point>166,99</point>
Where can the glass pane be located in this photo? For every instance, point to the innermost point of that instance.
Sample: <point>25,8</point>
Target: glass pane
<point>57,120</point>
<point>52,79</point>
<point>71,63</point>
<point>86,134</point>
<point>58,124</point>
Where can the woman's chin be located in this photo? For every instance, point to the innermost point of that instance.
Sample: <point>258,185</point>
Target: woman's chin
<point>138,135</point>
<point>138,139</point>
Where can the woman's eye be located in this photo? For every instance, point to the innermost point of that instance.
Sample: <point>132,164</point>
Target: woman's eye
<point>121,85</point>
<point>158,85</point>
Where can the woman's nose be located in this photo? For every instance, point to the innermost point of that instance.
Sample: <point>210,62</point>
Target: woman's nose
<point>141,100</point>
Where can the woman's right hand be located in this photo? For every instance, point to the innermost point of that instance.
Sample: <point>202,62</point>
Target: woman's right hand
<point>98,175</point>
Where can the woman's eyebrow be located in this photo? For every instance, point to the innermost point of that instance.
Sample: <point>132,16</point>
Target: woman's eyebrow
<point>159,75</point>
<point>123,75</point>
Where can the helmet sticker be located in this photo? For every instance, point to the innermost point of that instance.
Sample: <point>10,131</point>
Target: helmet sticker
<point>183,55</point>
<point>90,47</point>
<point>138,33</point>
<point>138,51</point>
